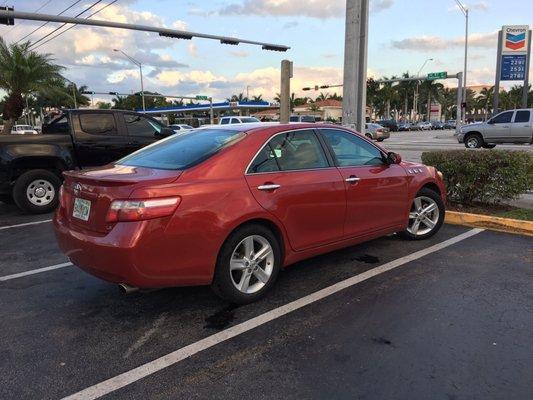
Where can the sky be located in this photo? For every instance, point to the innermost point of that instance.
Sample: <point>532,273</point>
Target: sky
<point>402,35</point>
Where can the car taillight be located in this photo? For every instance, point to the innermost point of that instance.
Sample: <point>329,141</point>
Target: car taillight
<point>138,210</point>
<point>379,130</point>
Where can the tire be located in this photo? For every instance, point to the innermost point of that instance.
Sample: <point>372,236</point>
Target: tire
<point>368,135</point>
<point>226,279</point>
<point>37,191</point>
<point>423,231</point>
<point>473,141</point>
<point>381,140</point>
<point>489,146</point>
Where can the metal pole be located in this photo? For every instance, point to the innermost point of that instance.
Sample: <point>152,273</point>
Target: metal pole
<point>28,122</point>
<point>285,91</point>
<point>459,101</point>
<point>496,95</point>
<point>211,116</point>
<point>74,95</point>
<point>142,86</point>
<point>525,90</point>
<point>355,63</point>
<point>466,60</point>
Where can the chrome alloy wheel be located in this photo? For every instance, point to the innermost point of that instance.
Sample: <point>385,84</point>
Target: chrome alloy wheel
<point>472,142</point>
<point>251,264</point>
<point>40,192</point>
<point>423,216</point>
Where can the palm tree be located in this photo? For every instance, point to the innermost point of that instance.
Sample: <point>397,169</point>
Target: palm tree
<point>448,101</point>
<point>23,71</point>
<point>257,98</point>
<point>322,96</point>
<point>240,98</point>
<point>431,91</point>
<point>486,96</point>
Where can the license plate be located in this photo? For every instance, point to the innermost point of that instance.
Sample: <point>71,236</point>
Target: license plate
<point>82,209</point>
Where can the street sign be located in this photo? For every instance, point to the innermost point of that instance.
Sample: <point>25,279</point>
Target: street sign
<point>515,39</point>
<point>513,67</point>
<point>202,97</point>
<point>234,104</point>
<point>437,75</point>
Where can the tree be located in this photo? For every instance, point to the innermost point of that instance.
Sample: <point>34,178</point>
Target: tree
<point>430,90</point>
<point>257,98</point>
<point>237,97</point>
<point>103,105</point>
<point>23,71</point>
<point>486,97</point>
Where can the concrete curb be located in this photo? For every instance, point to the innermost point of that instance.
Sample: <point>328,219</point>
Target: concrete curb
<point>490,222</point>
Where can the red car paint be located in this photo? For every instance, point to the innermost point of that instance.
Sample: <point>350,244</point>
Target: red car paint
<point>316,212</point>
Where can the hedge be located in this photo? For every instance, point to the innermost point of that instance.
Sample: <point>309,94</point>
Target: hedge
<point>483,176</point>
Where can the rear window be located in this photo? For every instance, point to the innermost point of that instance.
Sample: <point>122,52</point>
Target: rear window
<point>182,151</point>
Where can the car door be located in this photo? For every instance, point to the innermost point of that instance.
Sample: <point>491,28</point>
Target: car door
<point>498,129</point>
<point>292,178</point>
<point>376,193</point>
<point>97,139</point>
<point>141,130</point>
<point>521,127</point>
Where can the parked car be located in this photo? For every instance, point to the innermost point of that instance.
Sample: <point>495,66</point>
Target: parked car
<point>424,126</point>
<point>512,126</point>
<point>450,124</point>
<point>389,123</point>
<point>180,128</point>
<point>230,206</point>
<point>237,120</point>
<point>23,130</point>
<point>376,132</point>
<point>302,118</point>
<point>31,166</point>
<point>437,125</point>
<point>404,126</point>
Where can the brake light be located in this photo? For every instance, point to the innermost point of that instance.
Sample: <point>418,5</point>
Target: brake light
<point>138,210</point>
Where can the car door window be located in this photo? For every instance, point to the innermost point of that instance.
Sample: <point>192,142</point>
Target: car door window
<point>234,121</point>
<point>98,124</point>
<point>224,121</point>
<point>290,151</point>
<point>503,118</point>
<point>138,125</point>
<point>522,116</point>
<point>350,150</point>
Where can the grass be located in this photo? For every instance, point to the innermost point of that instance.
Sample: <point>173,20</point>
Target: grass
<point>523,214</point>
<point>500,210</point>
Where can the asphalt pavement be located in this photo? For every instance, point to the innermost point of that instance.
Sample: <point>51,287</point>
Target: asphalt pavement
<point>450,317</point>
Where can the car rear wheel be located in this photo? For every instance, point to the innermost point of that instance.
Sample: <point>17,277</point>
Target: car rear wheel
<point>473,141</point>
<point>248,264</point>
<point>37,191</point>
<point>368,135</point>
<point>425,216</point>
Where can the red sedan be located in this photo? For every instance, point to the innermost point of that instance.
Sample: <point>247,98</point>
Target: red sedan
<point>231,205</point>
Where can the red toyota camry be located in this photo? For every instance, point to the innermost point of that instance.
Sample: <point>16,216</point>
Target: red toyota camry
<point>229,206</point>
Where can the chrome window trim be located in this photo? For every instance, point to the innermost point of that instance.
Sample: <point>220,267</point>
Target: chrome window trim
<point>288,170</point>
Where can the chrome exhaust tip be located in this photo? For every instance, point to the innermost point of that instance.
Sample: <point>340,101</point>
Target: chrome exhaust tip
<point>127,289</point>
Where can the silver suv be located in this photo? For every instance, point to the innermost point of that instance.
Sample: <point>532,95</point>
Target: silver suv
<point>512,126</point>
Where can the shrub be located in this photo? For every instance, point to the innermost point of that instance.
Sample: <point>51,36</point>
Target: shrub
<point>487,177</point>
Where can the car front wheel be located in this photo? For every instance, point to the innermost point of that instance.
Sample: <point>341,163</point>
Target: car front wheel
<point>473,142</point>
<point>248,264</point>
<point>425,216</point>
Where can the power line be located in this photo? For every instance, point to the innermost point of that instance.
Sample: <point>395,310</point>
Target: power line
<point>72,26</point>
<point>58,28</point>
<point>47,22</point>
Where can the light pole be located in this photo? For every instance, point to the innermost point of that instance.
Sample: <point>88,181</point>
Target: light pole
<point>464,10</point>
<point>415,96</point>
<point>73,92</point>
<point>137,63</point>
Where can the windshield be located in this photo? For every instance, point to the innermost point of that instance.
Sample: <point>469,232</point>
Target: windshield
<point>294,119</point>
<point>308,118</point>
<point>248,120</point>
<point>183,151</point>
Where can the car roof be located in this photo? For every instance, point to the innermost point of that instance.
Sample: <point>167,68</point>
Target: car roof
<point>263,125</point>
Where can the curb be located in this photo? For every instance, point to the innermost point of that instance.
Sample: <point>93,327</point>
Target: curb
<point>490,222</point>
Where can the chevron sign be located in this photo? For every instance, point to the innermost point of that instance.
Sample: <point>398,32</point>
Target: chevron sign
<point>515,39</point>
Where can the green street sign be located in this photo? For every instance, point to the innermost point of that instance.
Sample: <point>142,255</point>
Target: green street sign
<point>437,75</point>
<point>202,97</point>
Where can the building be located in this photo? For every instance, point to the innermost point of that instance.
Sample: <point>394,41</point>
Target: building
<point>325,110</point>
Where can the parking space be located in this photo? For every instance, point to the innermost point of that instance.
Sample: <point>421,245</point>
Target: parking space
<point>454,320</point>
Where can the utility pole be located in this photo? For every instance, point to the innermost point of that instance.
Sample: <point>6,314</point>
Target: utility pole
<point>137,63</point>
<point>211,115</point>
<point>285,91</point>
<point>525,90</point>
<point>464,10</point>
<point>459,101</point>
<point>355,64</point>
<point>496,94</point>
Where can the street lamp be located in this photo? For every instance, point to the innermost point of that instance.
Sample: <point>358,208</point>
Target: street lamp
<point>464,10</point>
<point>73,91</point>
<point>137,63</point>
<point>415,97</point>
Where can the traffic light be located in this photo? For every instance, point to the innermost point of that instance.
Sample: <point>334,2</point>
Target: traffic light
<point>113,93</point>
<point>306,88</point>
<point>6,20</point>
<point>86,92</point>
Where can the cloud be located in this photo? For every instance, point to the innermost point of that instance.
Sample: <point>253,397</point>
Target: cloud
<point>290,24</point>
<point>380,5</point>
<point>479,6</point>
<point>435,43</point>
<point>239,53</point>
<point>192,49</point>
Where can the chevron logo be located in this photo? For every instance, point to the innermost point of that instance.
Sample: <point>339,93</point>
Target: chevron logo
<point>515,42</point>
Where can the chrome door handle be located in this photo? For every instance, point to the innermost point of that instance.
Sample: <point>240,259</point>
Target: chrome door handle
<point>270,186</point>
<point>352,179</point>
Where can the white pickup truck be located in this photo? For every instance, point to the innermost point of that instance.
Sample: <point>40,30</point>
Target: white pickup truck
<point>511,126</point>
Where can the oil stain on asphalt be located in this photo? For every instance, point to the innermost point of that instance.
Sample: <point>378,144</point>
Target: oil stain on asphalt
<point>367,258</point>
<point>222,318</point>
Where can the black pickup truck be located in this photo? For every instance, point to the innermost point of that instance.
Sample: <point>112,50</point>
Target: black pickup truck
<point>31,165</point>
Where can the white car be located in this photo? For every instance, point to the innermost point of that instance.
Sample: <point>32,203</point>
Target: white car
<point>180,128</point>
<point>237,120</point>
<point>23,130</point>
<point>424,126</point>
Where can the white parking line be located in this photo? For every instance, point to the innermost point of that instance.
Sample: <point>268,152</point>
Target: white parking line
<point>34,271</point>
<point>26,224</point>
<point>128,377</point>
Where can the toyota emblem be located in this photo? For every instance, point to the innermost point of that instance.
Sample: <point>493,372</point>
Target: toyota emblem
<point>77,189</point>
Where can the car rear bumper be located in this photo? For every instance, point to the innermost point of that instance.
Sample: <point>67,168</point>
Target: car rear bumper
<point>135,253</point>
<point>460,137</point>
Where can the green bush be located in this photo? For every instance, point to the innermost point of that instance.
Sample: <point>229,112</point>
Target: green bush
<point>479,176</point>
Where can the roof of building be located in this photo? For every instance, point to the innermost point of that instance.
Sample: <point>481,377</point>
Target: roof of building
<point>205,107</point>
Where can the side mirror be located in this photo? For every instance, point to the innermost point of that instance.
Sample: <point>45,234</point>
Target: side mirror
<point>165,132</point>
<point>393,158</point>
<point>490,121</point>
